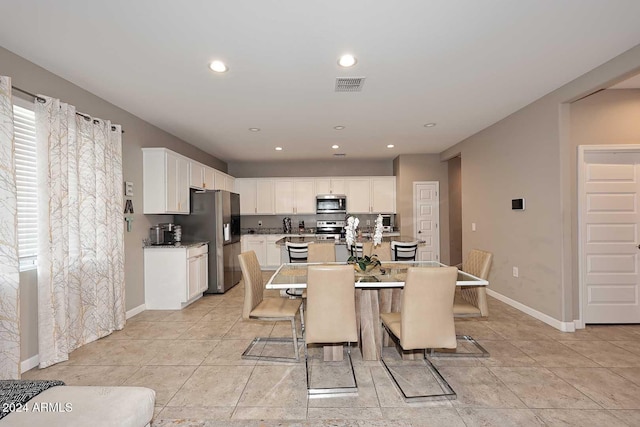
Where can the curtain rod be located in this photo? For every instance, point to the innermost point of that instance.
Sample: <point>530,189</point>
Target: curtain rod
<point>42,101</point>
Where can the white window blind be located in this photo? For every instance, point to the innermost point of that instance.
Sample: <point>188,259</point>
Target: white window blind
<point>26,183</point>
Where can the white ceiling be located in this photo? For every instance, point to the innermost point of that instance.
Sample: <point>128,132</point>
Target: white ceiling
<point>462,64</point>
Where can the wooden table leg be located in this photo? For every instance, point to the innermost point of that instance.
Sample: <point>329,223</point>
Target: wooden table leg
<point>370,332</point>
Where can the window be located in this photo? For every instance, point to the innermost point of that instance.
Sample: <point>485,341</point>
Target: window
<point>26,182</point>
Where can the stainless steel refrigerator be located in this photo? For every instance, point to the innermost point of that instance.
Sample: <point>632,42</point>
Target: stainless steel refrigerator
<point>215,217</point>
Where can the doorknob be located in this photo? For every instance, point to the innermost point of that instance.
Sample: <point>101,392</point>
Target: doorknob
<point>638,246</point>
<point>420,232</point>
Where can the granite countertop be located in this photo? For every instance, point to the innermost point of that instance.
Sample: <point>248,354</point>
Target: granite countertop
<point>184,244</point>
<point>261,230</point>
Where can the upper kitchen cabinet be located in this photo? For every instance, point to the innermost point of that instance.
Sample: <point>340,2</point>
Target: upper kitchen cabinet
<point>196,175</point>
<point>383,194</point>
<point>358,191</point>
<point>295,196</point>
<point>165,182</point>
<point>375,194</point>
<point>209,178</point>
<point>256,196</point>
<point>224,182</point>
<point>330,186</point>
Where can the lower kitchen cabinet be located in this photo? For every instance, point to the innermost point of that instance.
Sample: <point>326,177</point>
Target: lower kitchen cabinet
<point>264,245</point>
<point>174,277</point>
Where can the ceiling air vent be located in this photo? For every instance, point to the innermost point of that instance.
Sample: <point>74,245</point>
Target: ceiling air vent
<point>340,155</point>
<point>349,84</point>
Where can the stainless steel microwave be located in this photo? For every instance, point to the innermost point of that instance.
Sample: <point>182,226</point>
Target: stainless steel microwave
<point>331,203</point>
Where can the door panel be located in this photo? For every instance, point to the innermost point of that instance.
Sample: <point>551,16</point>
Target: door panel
<point>610,229</point>
<point>426,208</point>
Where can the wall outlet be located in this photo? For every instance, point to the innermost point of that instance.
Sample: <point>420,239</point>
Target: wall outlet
<point>473,226</point>
<point>516,273</point>
<point>259,223</point>
<point>368,222</point>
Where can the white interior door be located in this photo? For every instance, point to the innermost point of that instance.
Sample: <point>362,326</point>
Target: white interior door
<point>426,204</point>
<point>609,237</point>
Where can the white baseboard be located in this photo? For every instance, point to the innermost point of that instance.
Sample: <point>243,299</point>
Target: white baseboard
<point>30,363</point>
<point>136,310</point>
<point>562,326</point>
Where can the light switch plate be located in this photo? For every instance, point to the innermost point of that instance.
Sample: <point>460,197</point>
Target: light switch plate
<point>516,273</point>
<point>473,226</point>
<point>128,188</point>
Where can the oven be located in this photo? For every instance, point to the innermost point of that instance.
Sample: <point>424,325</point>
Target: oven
<point>331,203</point>
<point>329,229</point>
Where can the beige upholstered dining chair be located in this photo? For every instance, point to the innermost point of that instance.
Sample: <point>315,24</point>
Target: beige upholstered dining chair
<point>382,251</point>
<point>471,301</point>
<point>322,252</point>
<point>271,309</point>
<point>331,315</point>
<point>425,320</point>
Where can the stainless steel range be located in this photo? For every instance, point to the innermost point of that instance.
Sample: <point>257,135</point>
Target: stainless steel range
<point>332,229</point>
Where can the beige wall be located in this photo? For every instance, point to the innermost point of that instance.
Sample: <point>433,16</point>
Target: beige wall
<point>331,167</point>
<point>409,168</point>
<point>607,117</point>
<point>138,134</point>
<point>455,210</point>
<point>529,154</point>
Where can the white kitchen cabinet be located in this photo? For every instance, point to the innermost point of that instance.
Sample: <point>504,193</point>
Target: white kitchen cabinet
<point>165,182</point>
<point>304,196</point>
<point>256,196</point>
<point>220,179</point>
<point>273,251</point>
<point>358,191</point>
<point>295,196</point>
<point>383,194</point>
<point>247,189</point>
<point>229,183</point>
<point>256,243</point>
<point>196,175</point>
<point>209,178</point>
<point>174,277</point>
<point>330,186</point>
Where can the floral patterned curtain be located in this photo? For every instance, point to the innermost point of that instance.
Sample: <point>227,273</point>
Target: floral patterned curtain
<point>9,266</point>
<point>81,249</point>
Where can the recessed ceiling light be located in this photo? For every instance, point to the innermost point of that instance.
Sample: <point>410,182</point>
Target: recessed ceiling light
<point>390,146</point>
<point>218,66</point>
<point>254,129</point>
<point>338,127</point>
<point>335,146</point>
<point>347,61</point>
<point>429,125</point>
<point>278,148</point>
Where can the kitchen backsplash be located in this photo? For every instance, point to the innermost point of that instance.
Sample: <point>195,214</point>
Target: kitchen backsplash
<point>274,222</point>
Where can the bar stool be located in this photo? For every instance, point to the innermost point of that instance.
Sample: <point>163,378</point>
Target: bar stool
<point>298,252</point>
<point>322,252</point>
<point>404,251</point>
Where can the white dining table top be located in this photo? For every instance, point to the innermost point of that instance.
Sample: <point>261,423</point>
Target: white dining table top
<point>391,275</point>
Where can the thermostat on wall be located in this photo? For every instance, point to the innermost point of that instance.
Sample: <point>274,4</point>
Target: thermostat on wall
<point>517,204</point>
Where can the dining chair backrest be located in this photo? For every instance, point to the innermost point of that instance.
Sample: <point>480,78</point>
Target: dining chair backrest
<point>298,252</point>
<point>404,251</point>
<point>331,306</point>
<point>382,251</point>
<point>478,263</point>
<point>322,252</point>
<point>426,311</point>
<point>253,283</point>
<point>357,249</point>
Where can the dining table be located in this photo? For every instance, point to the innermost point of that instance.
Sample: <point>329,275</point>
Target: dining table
<point>377,291</point>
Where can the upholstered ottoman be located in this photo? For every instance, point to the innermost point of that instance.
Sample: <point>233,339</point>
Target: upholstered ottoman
<point>67,406</point>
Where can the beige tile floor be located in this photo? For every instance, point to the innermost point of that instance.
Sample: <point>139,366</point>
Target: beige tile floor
<point>535,376</point>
